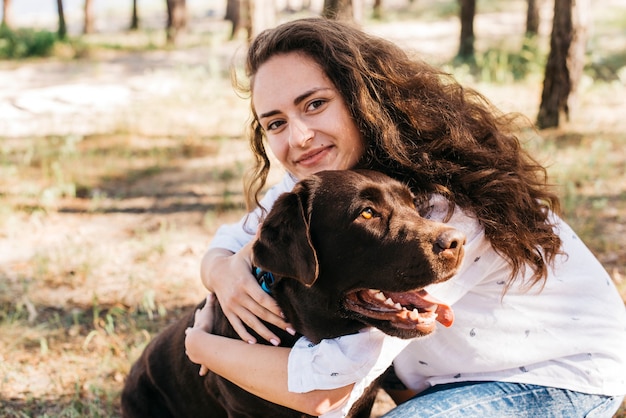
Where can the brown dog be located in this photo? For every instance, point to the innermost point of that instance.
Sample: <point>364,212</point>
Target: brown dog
<point>347,250</point>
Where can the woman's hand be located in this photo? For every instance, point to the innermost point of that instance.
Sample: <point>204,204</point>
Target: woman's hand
<point>243,301</point>
<point>203,324</point>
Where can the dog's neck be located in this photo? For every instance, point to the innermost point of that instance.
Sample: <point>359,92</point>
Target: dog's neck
<point>335,326</point>
<point>265,279</point>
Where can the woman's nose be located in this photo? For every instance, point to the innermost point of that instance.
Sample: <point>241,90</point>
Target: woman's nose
<point>299,133</point>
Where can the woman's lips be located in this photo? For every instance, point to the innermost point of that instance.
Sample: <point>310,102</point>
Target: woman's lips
<point>313,157</point>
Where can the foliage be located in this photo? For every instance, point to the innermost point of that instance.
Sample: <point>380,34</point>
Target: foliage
<point>499,64</point>
<point>24,43</point>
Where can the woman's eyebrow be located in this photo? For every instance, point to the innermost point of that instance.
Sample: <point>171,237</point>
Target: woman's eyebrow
<point>308,93</point>
<point>268,114</point>
<point>299,99</point>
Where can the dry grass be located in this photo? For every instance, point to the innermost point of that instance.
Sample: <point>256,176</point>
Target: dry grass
<point>101,232</point>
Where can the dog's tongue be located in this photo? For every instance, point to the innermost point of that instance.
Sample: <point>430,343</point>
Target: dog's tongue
<point>445,314</point>
<point>423,299</point>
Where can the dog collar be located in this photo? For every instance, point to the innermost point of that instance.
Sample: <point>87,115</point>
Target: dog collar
<point>265,279</point>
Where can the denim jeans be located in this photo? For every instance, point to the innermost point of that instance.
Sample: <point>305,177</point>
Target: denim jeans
<point>499,399</point>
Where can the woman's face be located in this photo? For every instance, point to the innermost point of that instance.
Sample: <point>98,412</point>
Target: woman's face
<point>306,121</point>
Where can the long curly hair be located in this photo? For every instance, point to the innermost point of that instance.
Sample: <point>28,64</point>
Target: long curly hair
<point>425,129</point>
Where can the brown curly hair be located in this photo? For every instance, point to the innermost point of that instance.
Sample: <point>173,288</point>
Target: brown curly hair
<point>425,129</point>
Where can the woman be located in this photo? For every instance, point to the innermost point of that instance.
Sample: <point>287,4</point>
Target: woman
<point>539,327</point>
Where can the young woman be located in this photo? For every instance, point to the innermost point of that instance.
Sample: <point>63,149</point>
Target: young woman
<point>539,328</point>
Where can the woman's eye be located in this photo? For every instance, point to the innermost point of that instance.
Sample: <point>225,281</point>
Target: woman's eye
<point>274,125</point>
<point>367,213</point>
<point>315,104</point>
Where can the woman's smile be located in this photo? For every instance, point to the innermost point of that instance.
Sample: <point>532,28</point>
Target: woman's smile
<point>314,157</point>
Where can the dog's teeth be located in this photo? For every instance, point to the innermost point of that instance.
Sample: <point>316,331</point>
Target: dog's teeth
<point>428,318</point>
<point>389,302</point>
<point>398,306</point>
<point>379,296</point>
<point>414,315</point>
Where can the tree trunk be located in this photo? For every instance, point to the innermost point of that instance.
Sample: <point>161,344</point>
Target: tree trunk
<point>62,32</point>
<point>176,19</point>
<point>238,14</point>
<point>134,20</point>
<point>466,44</point>
<point>532,18</point>
<point>88,26</point>
<point>338,9</point>
<point>565,61</point>
<point>377,10</point>
<point>6,14</point>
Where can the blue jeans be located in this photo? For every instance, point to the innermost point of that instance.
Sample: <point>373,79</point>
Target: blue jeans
<point>499,399</point>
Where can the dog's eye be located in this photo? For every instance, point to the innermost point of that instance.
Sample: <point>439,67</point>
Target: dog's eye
<point>367,213</point>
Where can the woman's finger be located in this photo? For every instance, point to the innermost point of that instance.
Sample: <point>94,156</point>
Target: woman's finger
<point>240,329</point>
<point>262,307</point>
<point>265,307</point>
<point>203,317</point>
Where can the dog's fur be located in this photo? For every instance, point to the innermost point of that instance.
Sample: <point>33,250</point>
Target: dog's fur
<point>337,235</point>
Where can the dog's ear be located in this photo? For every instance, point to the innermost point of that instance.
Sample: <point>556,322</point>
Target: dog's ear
<point>284,244</point>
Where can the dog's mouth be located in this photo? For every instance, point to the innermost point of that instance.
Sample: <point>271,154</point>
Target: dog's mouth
<point>415,310</point>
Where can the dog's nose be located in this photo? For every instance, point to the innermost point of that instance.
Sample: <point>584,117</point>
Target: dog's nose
<point>451,239</point>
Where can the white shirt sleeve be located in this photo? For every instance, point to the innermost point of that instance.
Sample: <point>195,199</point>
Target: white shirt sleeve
<point>358,358</point>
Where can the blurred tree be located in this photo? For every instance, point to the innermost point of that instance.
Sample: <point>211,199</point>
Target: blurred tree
<point>88,26</point>
<point>176,19</point>
<point>238,14</point>
<point>377,12</point>
<point>6,14</point>
<point>134,20</point>
<point>62,32</point>
<point>342,9</point>
<point>532,18</point>
<point>565,61</point>
<point>253,16</point>
<point>466,44</point>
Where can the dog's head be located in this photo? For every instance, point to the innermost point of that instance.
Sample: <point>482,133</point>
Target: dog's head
<point>349,248</point>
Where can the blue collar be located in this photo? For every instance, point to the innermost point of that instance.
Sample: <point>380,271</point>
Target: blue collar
<point>265,279</point>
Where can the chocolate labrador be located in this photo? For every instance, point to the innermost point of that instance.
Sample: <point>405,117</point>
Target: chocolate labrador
<point>344,250</point>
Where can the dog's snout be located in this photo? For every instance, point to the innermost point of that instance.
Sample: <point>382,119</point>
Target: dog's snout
<point>450,239</point>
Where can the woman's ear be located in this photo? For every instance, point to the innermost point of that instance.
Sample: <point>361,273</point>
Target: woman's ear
<point>284,243</point>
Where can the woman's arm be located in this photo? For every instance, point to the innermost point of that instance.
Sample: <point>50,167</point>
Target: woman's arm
<point>259,369</point>
<point>243,301</point>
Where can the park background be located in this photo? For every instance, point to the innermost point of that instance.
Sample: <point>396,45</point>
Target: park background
<point>120,156</point>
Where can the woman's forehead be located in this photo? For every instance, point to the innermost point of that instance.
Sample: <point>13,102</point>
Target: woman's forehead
<point>285,77</point>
